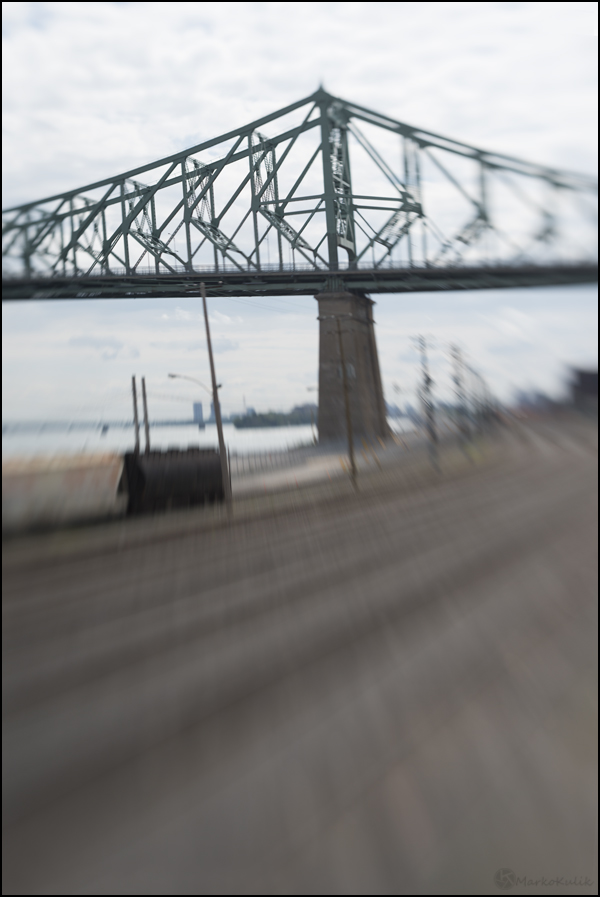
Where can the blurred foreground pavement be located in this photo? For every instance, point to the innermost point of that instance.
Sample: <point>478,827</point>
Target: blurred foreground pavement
<point>386,693</point>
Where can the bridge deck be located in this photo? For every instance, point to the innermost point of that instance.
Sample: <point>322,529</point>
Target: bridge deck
<point>293,282</point>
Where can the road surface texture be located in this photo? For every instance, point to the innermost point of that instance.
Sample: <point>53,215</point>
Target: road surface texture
<point>389,692</point>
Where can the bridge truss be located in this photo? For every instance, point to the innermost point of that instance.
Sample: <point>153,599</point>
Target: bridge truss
<point>321,192</point>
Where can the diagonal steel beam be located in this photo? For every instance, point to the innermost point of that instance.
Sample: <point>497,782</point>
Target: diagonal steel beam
<point>75,237</point>
<point>453,180</point>
<point>177,157</point>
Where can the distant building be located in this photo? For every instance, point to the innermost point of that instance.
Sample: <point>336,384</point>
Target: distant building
<point>412,413</point>
<point>393,410</point>
<point>584,390</point>
<point>250,412</point>
<point>532,401</point>
<point>198,414</point>
<point>211,419</point>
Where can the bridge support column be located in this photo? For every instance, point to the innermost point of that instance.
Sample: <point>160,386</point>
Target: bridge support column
<point>365,391</point>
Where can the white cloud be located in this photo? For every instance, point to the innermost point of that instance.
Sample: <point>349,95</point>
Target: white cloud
<point>512,323</point>
<point>93,89</point>
<point>116,85</point>
<point>217,317</point>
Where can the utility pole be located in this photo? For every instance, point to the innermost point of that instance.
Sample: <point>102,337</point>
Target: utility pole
<point>136,421</point>
<point>458,377</point>
<point>428,405</point>
<point>217,407</point>
<point>398,390</point>
<point>146,421</point>
<point>312,416</point>
<point>479,400</point>
<point>347,404</point>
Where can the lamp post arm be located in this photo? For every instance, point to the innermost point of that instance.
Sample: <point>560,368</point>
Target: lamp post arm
<point>193,380</point>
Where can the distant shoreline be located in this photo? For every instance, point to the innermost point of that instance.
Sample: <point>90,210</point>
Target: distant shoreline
<point>301,415</point>
<point>9,426</point>
<point>250,423</point>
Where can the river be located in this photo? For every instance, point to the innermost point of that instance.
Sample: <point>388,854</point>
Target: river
<point>19,442</point>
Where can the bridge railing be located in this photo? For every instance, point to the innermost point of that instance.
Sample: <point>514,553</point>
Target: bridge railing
<point>388,265</point>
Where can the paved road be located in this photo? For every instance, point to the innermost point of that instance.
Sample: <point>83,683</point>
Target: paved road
<point>385,693</point>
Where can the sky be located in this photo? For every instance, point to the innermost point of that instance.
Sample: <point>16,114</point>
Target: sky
<point>92,89</point>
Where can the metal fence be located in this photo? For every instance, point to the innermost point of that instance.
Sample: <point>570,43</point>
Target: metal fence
<point>259,462</point>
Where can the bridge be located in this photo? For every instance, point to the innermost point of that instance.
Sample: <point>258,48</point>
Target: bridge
<point>323,198</point>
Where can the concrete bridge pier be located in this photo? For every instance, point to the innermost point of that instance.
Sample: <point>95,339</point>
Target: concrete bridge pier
<point>354,312</point>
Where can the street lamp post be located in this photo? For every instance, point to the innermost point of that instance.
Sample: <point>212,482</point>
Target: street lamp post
<point>146,418</point>
<point>223,457</point>
<point>194,380</point>
<point>217,408</point>
<point>136,422</point>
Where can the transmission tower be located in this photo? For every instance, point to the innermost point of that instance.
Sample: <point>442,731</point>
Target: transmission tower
<point>427,402</point>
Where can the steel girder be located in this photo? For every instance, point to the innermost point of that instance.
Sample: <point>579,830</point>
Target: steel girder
<point>332,188</point>
<point>297,283</point>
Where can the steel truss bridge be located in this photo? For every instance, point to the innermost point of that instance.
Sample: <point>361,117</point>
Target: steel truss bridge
<point>324,195</point>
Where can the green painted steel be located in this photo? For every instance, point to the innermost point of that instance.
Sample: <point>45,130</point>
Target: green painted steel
<point>339,191</point>
<point>297,283</point>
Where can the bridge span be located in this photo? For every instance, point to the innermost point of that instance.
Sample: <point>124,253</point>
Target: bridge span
<point>335,201</point>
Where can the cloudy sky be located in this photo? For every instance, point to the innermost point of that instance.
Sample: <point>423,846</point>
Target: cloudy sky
<point>92,89</point>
